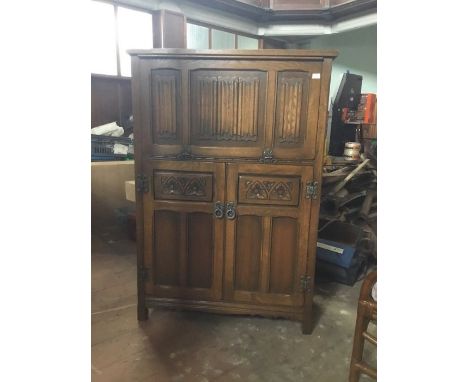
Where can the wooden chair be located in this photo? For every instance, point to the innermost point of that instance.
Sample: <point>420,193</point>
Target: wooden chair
<point>367,311</point>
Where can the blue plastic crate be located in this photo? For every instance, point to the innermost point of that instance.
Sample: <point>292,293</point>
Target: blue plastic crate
<point>336,243</point>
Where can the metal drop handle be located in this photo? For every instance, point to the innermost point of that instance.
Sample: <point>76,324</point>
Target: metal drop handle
<point>219,210</point>
<point>231,210</point>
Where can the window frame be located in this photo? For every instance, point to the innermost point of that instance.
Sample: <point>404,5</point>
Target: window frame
<point>117,47</point>
<point>233,31</point>
<point>188,20</point>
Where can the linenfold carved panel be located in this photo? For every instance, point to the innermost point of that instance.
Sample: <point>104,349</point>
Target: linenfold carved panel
<point>207,94</point>
<point>183,186</point>
<point>237,108</point>
<point>165,96</point>
<point>268,190</point>
<point>227,106</point>
<point>291,108</point>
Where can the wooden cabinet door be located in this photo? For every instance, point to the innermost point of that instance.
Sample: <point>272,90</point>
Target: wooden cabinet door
<point>183,240</point>
<point>222,108</point>
<point>228,101</point>
<point>267,239</point>
<point>241,108</point>
<point>161,112</point>
<point>202,108</point>
<point>298,99</point>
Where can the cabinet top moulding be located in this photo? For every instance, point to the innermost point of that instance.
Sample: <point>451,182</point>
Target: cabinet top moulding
<point>277,54</point>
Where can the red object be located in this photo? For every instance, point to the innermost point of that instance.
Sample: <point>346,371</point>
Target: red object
<point>366,112</point>
<point>344,114</point>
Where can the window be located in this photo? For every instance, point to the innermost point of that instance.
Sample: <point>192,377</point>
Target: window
<point>222,40</point>
<point>197,37</point>
<point>103,48</point>
<point>244,42</point>
<point>135,31</point>
<point>116,29</point>
<point>109,23</point>
<point>207,37</point>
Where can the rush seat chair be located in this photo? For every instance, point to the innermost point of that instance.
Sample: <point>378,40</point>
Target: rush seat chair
<point>367,312</point>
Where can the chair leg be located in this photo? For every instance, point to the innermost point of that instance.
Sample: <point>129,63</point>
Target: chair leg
<point>354,374</point>
<point>362,322</point>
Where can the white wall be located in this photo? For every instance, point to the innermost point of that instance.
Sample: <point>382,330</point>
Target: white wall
<point>357,53</point>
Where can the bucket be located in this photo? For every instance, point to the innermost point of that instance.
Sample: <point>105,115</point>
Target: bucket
<point>352,151</point>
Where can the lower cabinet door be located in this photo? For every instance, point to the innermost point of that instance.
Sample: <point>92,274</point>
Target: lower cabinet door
<point>267,217</point>
<point>183,240</point>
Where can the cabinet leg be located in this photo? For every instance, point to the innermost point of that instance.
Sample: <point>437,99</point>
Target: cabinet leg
<point>142,313</point>
<point>307,324</point>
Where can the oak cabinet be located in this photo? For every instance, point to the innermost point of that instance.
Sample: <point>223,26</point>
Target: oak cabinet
<point>228,157</point>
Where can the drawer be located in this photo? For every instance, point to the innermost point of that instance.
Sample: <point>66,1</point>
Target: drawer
<point>273,190</point>
<point>181,185</point>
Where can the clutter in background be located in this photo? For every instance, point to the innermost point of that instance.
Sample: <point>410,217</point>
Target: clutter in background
<point>352,151</point>
<point>109,129</point>
<point>347,237</point>
<point>112,142</point>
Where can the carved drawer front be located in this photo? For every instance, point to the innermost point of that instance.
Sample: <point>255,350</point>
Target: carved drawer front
<point>274,190</point>
<point>180,185</point>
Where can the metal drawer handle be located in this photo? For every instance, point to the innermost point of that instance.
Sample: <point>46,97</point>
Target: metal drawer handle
<point>219,210</point>
<point>231,210</point>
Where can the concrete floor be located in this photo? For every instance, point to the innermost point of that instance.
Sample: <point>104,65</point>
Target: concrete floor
<point>199,347</point>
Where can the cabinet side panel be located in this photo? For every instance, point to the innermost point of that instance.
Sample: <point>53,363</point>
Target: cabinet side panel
<point>283,255</point>
<point>200,250</point>
<point>247,253</point>
<point>166,247</point>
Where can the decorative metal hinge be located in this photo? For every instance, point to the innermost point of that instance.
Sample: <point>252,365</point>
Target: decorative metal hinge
<point>306,282</point>
<point>267,156</point>
<point>141,183</point>
<point>143,274</point>
<point>311,190</point>
<point>185,154</point>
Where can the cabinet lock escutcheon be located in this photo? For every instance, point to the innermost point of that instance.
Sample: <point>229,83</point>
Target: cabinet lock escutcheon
<point>267,156</point>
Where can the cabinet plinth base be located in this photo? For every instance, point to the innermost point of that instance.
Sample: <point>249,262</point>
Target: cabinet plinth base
<point>221,307</point>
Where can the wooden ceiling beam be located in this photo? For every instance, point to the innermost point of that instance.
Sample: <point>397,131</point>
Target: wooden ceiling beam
<point>292,10</point>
